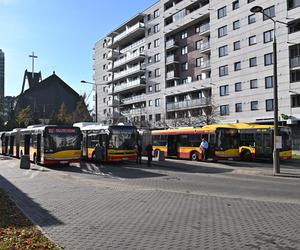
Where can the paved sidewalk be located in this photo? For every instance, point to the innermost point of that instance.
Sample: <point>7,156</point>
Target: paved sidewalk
<point>85,211</point>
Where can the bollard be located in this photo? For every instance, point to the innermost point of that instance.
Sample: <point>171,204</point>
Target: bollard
<point>25,162</point>
<point>161,156</point>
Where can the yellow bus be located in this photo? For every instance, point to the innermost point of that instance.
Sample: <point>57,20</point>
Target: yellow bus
<point>118,141</point>
<point>45,145</point>
<point>2,143</point>
<point>184,143</point>
<point>257,141</point>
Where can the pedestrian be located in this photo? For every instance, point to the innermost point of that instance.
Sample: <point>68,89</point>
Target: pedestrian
<point>149,150</point>
<point>139,153</point>
<point>204,148</point>
<point>98,153</point>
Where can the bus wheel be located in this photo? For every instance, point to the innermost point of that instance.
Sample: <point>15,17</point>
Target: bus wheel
<point>246,155</point>
<point>194,156</point>
<point>156,153</point>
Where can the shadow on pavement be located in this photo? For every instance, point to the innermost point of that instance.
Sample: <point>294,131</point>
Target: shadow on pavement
<point>31,209</point>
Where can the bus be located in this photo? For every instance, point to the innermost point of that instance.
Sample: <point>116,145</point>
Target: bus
<point>257,141</point>
<point>119,141</point>
<point>46,145</point>
<point>184,143</point>
<point>2,144</point>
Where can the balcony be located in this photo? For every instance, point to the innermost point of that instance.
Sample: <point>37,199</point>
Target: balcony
<point>205,47</point>
<point>134,57</point>
<point>113,103</point>
<point>172,75</point>
<point>204,29</point>
<point>295,62</point>
<point>125,36</point>
<point>131,112</point>
<point>205,65</point>
<point>135,70</point>
<point>129,86</point>
<point>195,103</point>
<point>112,54</point>
<point>171,59</point>
<point>132,46</point>
<point>133,99</point>
<point>171,44</point>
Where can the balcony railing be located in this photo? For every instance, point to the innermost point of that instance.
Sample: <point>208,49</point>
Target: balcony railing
<point>128,58</point>
<point>188,104</point>
<point>112,54</point>
<point>170,44</point>
<point>128,31</point>
<point>204,46</point>
<point>171,75</point>
<point>132,46</point>
<point>136,98</point>
<point>205,64</point>
<point>295,62</point>
<point>171,59</point>
<point>128,85</point>
<point>127,72</point>
<point>136,111</point>
<point>204,27</point>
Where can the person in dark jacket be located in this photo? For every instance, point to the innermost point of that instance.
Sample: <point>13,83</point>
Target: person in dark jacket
<point>139,154</point>
<point>149,150</point>
<point>99,153</point>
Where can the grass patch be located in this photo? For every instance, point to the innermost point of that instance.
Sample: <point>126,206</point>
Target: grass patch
<point>16,231</point>
<point>296,156</point>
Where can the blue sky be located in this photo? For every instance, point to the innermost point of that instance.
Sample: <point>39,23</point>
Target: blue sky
<point>61,33</point>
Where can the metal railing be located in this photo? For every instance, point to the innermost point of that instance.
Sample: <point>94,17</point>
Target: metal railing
<point>127,58</point>
<point>132,46</point>
<point>127,85</point>
<point>188,103</point>
<point>134,98</point>
<point>205,64</point>
<point>171,43</point>
<point>128,31</point>
<point>127,72</point>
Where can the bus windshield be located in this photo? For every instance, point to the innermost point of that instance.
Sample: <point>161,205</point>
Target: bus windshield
<point>227,138</point>
<point>58,141</point>
<point>122,137</point>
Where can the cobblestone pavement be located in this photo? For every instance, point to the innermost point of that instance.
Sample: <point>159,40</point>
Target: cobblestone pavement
<point>124,207</point>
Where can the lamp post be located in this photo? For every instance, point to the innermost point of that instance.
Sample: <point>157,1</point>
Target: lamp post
<point>96,99</point>
<point>276,164</point>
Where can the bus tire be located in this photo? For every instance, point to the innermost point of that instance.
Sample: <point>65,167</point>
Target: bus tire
<point>246,155</point>
<point>194,156</point>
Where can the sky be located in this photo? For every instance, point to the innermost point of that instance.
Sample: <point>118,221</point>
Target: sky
<point>62,33</point>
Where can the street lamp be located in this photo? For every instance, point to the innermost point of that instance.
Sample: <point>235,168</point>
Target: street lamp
<point>96,99</point>
<point>276,164</point>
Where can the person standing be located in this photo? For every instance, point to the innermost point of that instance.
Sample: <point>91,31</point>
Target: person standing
<point>149,150</point>
<point>139,154</point>
<point>204,147</point>
<point>98,153</point>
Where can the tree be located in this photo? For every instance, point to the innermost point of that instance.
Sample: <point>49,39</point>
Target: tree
<point>25,117</point>
<point>62,117</point>
<point>81,113</point>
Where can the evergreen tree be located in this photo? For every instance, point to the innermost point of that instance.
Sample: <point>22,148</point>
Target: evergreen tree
<point>62,117</point>
<point>81,113</point>
<point>25,117</point>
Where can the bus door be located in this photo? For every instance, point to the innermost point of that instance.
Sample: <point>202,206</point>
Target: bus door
<point>6,145</point>
<point>11,145</point>
<point>84,144</point>
<point>267,141</point>
<point>27,144</point>
<point>103,140</point>
<point>38,147</point>
<point>211,145</point>
<point>172,145</point>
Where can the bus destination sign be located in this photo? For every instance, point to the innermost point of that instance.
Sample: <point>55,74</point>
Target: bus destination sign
<point>61,130</point>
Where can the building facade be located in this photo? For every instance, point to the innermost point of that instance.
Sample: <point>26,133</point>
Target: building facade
<point>1,74</point>
<point>186,63</point>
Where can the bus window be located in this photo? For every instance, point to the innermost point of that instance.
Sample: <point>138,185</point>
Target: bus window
<point>227,138</point>
<point>195,140</point>
<point>183,141</point>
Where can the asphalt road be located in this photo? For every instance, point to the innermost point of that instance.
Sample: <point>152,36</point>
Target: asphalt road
<point>169,205</point>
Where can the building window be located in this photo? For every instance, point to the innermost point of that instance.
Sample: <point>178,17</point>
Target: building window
<point>252,40</point>
<point>253,84</point>
<point>294,26</point>
<point>183,34</point>
<point>199,61</point>
<point>149,59</point>
<point>223,70</point>
<point>295,76</point>
<point>269,12</point>
<point>236,45</point>
<point>149,45</point>
<point>238,107</point>
<point>156,57</point>
<point>224,90</point>
<point>236,25</point>
<point>293,4</point>
<point>238,86</point>
<point>149,31</point>
<point>156,43</point>
<point>184,50</point>
<point>157,102</point>
<point>157,87</point>
<point>104,55</point>
<point>222,12</point>
<point>156,28</point>
<point>157,117</point>
<point>150,88</point>
<point>269,82</point>
<point>251,19</point>
<point>268,36</point>
<point>157,72</point>
<point>250,1</point>
<point>268,59</point>
<point>269,105</point>
<point>222,31</point>
<point>199,44</point>
<point>156,13</point>
<point>235,5</point>
<point>254,105</point>
<point>149,17</point>
<point>150,103</point>
<point>150,117</point>
<point>237,66</point>
<point>184,66</point>
<point>253,62</point>
<point>223,51</point>
<point>295,101</point>
<point>224,110</point>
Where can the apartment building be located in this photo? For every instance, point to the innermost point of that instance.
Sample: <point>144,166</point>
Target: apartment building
<point>188,62</point>
<point>1,74</point>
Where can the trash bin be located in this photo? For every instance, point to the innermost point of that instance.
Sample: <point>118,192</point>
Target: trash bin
<point>161,156</point>
<point>25,162</point>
